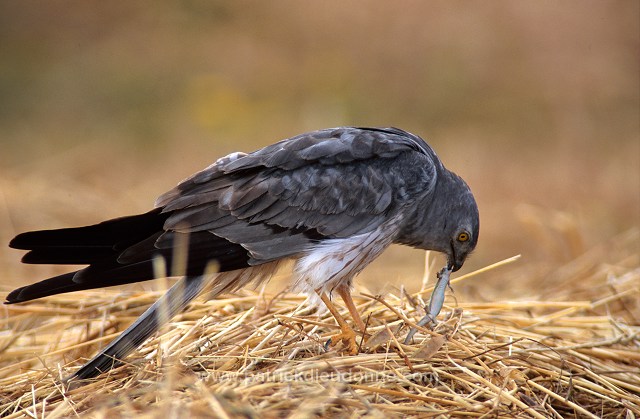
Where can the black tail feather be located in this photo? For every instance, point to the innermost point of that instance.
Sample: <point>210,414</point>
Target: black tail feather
<point>68,282</point>
<point>56,285</point>
<point>118,251</point>
<point>77,255</point>
<point>84,245</point>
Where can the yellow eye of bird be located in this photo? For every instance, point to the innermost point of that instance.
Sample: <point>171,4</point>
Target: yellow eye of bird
<point>463,237</point>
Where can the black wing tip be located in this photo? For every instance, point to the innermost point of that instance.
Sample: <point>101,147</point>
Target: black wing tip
<point>20,241</point>
<point>14,296</point>
<point>33,257</point>
<point>28,258</point>
<point>31,240</point>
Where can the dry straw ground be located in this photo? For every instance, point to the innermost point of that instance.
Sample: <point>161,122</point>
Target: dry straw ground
<point>258,355</point>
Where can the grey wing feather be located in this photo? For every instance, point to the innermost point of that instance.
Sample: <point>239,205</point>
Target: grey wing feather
<point>331,183</point>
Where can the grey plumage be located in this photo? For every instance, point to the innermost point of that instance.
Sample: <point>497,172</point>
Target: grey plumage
<point>321,198</point>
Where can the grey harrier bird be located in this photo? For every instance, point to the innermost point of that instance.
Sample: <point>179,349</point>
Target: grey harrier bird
<point>332,200</point>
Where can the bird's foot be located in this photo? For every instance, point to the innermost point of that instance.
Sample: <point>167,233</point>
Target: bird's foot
<point>348,338</point>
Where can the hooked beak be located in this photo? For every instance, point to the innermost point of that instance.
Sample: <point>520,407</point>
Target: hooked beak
<point>455,261</point>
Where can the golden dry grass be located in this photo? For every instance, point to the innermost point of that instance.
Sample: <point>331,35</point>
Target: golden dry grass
<point>258,355</point>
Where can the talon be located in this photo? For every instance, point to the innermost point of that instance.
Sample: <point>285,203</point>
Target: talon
<point>329,344</point>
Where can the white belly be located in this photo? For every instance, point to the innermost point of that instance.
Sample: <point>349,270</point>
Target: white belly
<point>335,262</point>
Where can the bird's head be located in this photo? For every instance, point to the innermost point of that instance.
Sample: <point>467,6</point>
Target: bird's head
<point>461,225</point>
<point>462,241</point>
<point>447,221</point>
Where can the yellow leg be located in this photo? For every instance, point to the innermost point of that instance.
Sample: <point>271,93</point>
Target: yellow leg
<point>347,335</point>
<point>346,297</point>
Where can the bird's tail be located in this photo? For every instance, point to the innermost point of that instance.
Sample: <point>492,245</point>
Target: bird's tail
<point>96,245</point>
<point>90,244</point>
<point>121,251</point>
<point>170,304</point>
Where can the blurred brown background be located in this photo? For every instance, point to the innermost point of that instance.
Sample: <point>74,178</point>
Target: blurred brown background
<point>105,105</point>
